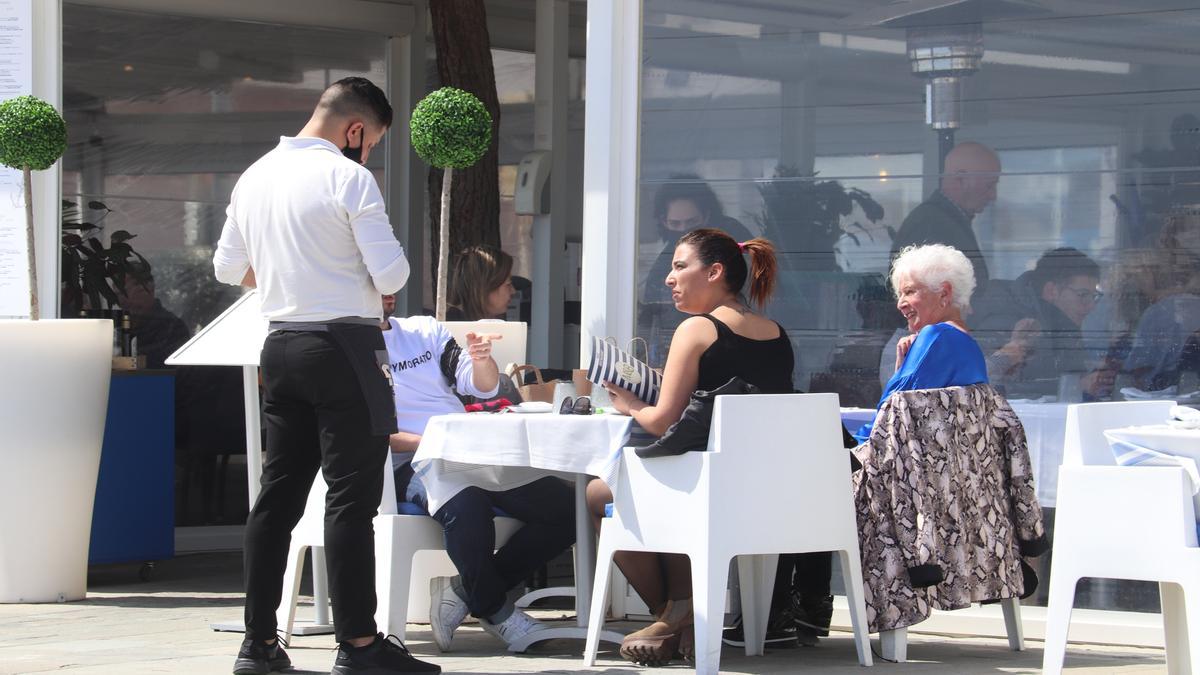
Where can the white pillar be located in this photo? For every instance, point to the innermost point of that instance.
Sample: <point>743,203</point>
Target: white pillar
<point>550,134</point>
<point>610,170</point>
<point>47,185</point>
<point>405,171</point>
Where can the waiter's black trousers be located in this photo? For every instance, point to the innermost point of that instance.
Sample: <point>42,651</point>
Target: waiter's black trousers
<point>316,417</point>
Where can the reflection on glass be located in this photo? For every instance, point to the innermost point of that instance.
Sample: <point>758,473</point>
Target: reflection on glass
<point>164,113</point>
<point>1086,225</point>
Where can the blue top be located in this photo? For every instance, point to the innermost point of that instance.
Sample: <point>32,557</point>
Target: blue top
<point>941,356</point>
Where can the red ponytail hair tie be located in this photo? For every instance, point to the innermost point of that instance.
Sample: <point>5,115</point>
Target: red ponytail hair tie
<point>742,246</point>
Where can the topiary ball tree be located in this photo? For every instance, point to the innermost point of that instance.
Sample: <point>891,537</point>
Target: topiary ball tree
<point>451,129</point>
<point>33,135</point>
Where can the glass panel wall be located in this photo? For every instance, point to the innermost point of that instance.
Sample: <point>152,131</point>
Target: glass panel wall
<point>164,113</point>
<point>803,121</point>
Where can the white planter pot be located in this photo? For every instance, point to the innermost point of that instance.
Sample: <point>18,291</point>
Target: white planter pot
<point>54,377</point>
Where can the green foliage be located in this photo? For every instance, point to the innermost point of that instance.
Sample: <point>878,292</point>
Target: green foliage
<point>451,128</point>
<point>803,216</point>
<point>92,271</point>
<point>32,133</point>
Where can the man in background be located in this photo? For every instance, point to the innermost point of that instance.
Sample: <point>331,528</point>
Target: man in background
<point>1030,328</point>
<point>968,185</point>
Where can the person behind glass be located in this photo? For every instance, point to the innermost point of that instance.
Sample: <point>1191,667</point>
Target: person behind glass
<point>158,331</point>
<point>967,186</point>
<point>1045,313</point>
<point>306,225</point>
<point>480,284</point>
<point>1166,343</point>
<point>724,337</point>
<point>679,207</point>
<point>430,371</point>
<point>933,286</point>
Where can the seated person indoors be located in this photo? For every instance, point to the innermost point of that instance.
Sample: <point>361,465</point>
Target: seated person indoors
<point>933,285</point>
<point>481,287</point>
<point>428,368</point>
<point>724,337</point>
<point>480,284</point>
<point>1038,319</point>
<point>686,203</point>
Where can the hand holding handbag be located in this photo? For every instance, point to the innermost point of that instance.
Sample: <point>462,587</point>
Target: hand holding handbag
<point>691,431</point>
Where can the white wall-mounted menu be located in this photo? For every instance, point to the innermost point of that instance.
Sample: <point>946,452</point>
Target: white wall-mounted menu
<point>16,78</point>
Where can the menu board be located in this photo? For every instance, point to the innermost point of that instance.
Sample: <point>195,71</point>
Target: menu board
<point>16,78</point>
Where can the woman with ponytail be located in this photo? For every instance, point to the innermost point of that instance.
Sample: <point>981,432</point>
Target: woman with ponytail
<point>725,336</point>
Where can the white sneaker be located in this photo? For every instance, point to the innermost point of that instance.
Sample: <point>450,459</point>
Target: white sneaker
<point>516,626</point>
<point>446,611</point>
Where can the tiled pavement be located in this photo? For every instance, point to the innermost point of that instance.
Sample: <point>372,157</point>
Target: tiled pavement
<point>162,626</point>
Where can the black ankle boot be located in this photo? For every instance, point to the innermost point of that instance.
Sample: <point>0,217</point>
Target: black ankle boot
<point>691,431</point>
<point>813,612</point>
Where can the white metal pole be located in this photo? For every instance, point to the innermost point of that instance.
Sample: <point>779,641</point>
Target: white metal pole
<point>253,431</point>
<point>550,134</point>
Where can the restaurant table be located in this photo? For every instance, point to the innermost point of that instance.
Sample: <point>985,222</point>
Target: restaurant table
<point>497,451</point>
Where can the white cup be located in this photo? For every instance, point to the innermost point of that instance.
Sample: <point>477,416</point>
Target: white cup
<point>600,397</point>
<point>562,390</point>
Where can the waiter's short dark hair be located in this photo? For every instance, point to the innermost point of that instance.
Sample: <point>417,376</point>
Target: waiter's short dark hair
<point>356,97</point>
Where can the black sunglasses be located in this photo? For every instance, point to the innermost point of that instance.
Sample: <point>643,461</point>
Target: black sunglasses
<point>577,406</point>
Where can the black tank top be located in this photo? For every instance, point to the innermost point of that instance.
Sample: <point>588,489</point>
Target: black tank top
<point>767,364</point>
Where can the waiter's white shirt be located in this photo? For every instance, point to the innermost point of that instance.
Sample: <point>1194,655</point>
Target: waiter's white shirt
<point>312,225</point>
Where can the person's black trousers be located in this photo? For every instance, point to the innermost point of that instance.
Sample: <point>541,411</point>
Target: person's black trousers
<point>316,416</point>
<point>545,506</point>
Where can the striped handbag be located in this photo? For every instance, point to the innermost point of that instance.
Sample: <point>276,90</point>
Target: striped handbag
<point>610,363</point>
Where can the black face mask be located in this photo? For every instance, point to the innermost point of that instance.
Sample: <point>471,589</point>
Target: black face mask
<point>354,154</point>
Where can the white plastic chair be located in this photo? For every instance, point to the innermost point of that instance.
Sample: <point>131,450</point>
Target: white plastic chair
<point>398,539</point>
<point>893,644</point>
<point>1084,443</point>
<point>775,480</point>
<point>1116,522</point>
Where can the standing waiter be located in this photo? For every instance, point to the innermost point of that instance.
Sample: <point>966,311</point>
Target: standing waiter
<point>307,226</point>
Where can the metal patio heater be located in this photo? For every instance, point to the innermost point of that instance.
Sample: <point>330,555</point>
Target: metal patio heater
<point>944,43</point>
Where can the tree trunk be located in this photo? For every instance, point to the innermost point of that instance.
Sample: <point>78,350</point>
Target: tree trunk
<point>443,266</point>
<point>464,60</point>
<point>34,310</point>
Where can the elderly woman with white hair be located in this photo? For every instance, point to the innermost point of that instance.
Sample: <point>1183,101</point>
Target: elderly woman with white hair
<point>933,285</point>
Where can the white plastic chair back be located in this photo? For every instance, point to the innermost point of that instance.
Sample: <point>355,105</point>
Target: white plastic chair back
<point>1127,522</point>
<point>775,479</point>
<point>1086,422</point>
<point>409,551</point>
<point>510,348</point>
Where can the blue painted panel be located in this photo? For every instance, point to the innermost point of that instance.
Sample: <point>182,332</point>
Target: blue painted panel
<point>134,515</point>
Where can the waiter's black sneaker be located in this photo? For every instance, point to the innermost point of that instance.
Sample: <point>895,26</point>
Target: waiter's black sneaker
<point>260,658</point>
<point>384,656</point>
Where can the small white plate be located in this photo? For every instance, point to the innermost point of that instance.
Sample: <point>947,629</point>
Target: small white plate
<point>532,407</point>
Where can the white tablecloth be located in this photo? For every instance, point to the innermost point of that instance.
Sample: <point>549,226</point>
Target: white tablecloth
<point>1045,433</point>
<point>503,451</point>
<point>853,418</point>
<point>1158,445</point>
